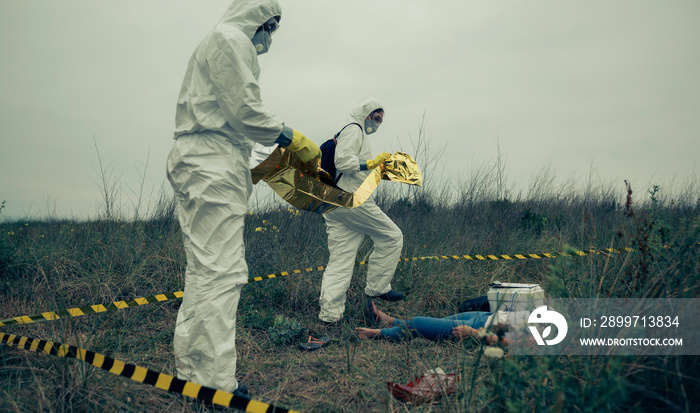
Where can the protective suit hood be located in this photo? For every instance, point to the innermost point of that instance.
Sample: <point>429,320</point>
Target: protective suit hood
<point>247,16</point>
<point>362,109</point>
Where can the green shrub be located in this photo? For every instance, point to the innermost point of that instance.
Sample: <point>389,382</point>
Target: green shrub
<point>285,331</point>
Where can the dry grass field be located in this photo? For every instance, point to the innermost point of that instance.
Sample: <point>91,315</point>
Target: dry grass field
<point>52,264</point>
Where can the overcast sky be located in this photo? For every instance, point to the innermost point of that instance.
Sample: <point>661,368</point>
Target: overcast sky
<point>608,85</point>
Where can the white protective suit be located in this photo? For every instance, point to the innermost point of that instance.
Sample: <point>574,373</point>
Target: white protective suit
<point>347,227</point>
<point>219,117</point>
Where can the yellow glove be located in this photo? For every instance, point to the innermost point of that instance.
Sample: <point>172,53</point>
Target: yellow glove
<point>380,159</point>
<point>304,147</point>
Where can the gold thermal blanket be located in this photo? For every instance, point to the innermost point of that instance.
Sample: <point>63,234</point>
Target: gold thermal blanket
<point>310,188</point>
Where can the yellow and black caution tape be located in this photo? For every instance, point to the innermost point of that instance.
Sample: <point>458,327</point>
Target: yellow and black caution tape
<point>283,273</point>
<point>118,305</point>
<point>142,375</point>
<point>518,256</point>
<point>445,257</point>
<point>459,257</point>
<point>90,309</point>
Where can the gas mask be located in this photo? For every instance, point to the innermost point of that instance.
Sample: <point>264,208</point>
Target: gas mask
<point>371,126</point>
<point>262,39</point>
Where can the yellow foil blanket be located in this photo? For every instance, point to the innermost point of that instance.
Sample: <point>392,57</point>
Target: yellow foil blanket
<point>310,188</point>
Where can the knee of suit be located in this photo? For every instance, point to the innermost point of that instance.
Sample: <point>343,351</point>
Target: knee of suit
<point>392,237</point>
<point>396,241</point>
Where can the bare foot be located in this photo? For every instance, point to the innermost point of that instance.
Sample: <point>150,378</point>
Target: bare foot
<point>381,316</point>
<point>367,332</point>
<point>463,331</point>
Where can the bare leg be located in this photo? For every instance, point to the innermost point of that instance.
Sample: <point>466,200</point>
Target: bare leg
<point>374,332</point>
<point>367,332</point>
<point>381,316</point>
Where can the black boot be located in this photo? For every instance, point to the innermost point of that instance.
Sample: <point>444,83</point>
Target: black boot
<point>391,296</point>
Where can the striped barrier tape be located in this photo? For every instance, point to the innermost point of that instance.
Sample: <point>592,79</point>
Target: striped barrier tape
<point>90,309</point>
<point>142,375</point>
<point>460,257</point>
<point>118,305</point>
<point>519,256</point>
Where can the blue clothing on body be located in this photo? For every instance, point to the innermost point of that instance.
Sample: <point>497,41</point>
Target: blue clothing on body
<point>434,328</point>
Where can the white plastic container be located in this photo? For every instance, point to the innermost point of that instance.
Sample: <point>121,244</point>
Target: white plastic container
<point>514,296</point>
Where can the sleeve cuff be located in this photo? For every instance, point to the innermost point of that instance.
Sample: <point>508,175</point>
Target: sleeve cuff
<point>285,137</point>
<point>363,166</point>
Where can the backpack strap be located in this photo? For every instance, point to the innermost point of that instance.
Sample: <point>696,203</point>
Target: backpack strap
<point>338,134</point>
<point>335,139</point>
